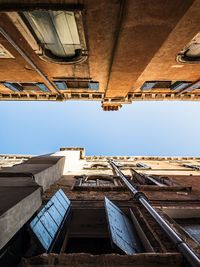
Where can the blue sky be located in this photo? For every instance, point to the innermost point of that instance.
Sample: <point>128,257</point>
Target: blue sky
<point>143,128</point>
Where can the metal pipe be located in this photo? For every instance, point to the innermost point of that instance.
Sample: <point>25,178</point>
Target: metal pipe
<point>183,248</point>
<point>27,58</point>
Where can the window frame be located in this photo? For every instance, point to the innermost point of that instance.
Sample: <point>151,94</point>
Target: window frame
<point>174,221</point>
<point>21,86</point>
<point>115,184</point>
<point>15,13</point>
<point>182,55</point>
<point>75,84</point>
<point>143,182</point>
<point>143,166</point>
<point>154,85</point>
<point>195,167</point>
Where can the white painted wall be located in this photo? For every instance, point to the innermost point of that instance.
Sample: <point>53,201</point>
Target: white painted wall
<point>73,163</point>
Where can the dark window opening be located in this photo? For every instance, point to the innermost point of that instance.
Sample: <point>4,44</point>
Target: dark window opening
<point>130,96</point>
<point>85,96</point>
<point>95,246</point>
<point>117,99</point>
<point>88,232</point>
<point>75,95</point>
<point>103,230</point>
<point>137,95</point>
<point>97,96</point>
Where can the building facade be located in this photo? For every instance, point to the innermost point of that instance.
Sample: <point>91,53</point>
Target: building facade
<point>116,52</point>
<point>92,211</point>
<point>7,160</point>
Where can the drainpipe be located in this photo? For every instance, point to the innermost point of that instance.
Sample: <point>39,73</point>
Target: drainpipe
<point>182,247</point>
<point>27,58</point>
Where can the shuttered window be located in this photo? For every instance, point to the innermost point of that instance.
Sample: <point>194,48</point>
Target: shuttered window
<point>191,52</point>
<point>59,33</point>
<point>122,232</point>
<point>48,221</point>
<point>26,87</point>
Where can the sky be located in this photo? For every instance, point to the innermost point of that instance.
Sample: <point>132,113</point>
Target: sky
<point>140,128</point>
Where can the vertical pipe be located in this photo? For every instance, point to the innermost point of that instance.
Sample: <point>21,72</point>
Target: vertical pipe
<point>28,59</point>
<point>183,248</point>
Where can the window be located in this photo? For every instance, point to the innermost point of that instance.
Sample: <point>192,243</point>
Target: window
<point>85,182</point>
<point>191,52</point>
<point>119,165</point>
<point>123,234</point>
<point>64,228</point>
<point>144,179</point>
<point>186,223</point>
<point>90,233</point>
<point>28,87</point>
<point>139,165</point>
<point>15,87</point>
<point>61,85</point>
<point>95,232</point>
<point>192,166</point>
<point>99,166</point>
<point>191,226</point>
<point>60,34</point>
<point>142,166</point>
<point>45,226</point>
<point>148,85</point>
<point>128,166</point>
<point>191,87</point>
<point>180,85</point>
<point>4,53</point>
<point>149,182</point>
<point>158,180</point>
<point>93,85</point>
<point>77,84</point>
